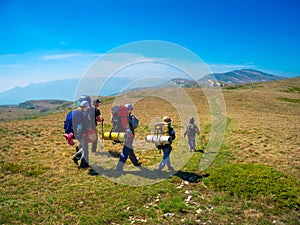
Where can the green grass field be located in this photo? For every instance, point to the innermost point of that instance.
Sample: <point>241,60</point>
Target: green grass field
<point>254,178</point>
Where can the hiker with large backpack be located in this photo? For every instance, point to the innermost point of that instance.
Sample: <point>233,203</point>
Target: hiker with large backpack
<point>166,129</point>
<point>126,122</point>
<point>78,126</point>
<point>163,137</point>
<point>191,131</point>
<point>81,135</point>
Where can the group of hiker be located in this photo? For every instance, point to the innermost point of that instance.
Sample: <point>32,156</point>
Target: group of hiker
<point>81,124</point>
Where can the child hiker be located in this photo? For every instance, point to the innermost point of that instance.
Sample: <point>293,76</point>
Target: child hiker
<point>191,131</point>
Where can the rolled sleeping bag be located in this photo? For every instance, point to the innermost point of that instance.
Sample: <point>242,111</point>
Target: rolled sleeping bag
<point>115,136</point>
<point>158,139</point>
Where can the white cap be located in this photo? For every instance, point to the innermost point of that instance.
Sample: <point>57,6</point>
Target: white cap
<point>129,106</point>
<point>84,104</point>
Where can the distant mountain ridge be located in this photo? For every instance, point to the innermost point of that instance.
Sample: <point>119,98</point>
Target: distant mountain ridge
<point>228,78</point>
<point>244,76</point>
<point>59,89</point>
<point>65,89</point>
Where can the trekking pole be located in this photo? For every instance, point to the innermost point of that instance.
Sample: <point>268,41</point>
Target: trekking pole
<point>102,134</point>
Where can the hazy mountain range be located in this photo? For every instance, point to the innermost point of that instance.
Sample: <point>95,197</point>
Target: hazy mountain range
<point>66,89</point>
<point>244,76</point>
<point>225,79</point>
<point>60,90</point>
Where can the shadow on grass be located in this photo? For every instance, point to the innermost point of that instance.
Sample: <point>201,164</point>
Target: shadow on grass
<point>199,150</point>
<point>139,171</point>
<point>114,154</point>
<point>148,174</point>
<point>144,172</point>
<point>190,177</point>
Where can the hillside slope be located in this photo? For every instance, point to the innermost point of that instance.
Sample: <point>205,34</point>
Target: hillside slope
<point>41,184</point>
<point>266,124</point>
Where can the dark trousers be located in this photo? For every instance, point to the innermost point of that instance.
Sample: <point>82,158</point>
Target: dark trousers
<point>124,156</point>
<point>94,144</point>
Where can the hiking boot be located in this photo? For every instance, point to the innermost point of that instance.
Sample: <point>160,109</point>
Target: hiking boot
<point>83,167</point>
<point>83,164</point>
<point>137,162</point>
<point>75,160</point>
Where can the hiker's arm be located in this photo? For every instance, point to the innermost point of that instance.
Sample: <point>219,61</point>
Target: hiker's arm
<point>185,133</point>
<point>172,133</point>
<point>99,119</point>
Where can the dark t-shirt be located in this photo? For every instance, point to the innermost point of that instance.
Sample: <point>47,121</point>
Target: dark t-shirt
<point>95,112</point>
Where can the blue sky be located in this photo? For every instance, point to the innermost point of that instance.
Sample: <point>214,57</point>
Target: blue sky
<point>49,40</point>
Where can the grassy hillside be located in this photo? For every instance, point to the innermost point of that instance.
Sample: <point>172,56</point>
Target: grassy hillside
<point>32,109</point>
<point>266,124</point>
<point>253,180</point>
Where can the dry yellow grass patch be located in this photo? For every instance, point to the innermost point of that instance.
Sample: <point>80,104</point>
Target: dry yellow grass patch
<point>264,129</point>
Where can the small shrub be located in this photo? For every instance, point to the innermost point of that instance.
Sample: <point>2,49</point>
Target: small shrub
<point>172,205</point>
<point>233,87</point>
<point>293,90</point>
<point>252,181</point>
<point>289,99</point>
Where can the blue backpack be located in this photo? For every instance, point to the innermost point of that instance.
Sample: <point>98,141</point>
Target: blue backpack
<point>72,117</point>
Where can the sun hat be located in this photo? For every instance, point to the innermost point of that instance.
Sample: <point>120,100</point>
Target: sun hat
<point>166,119</point>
